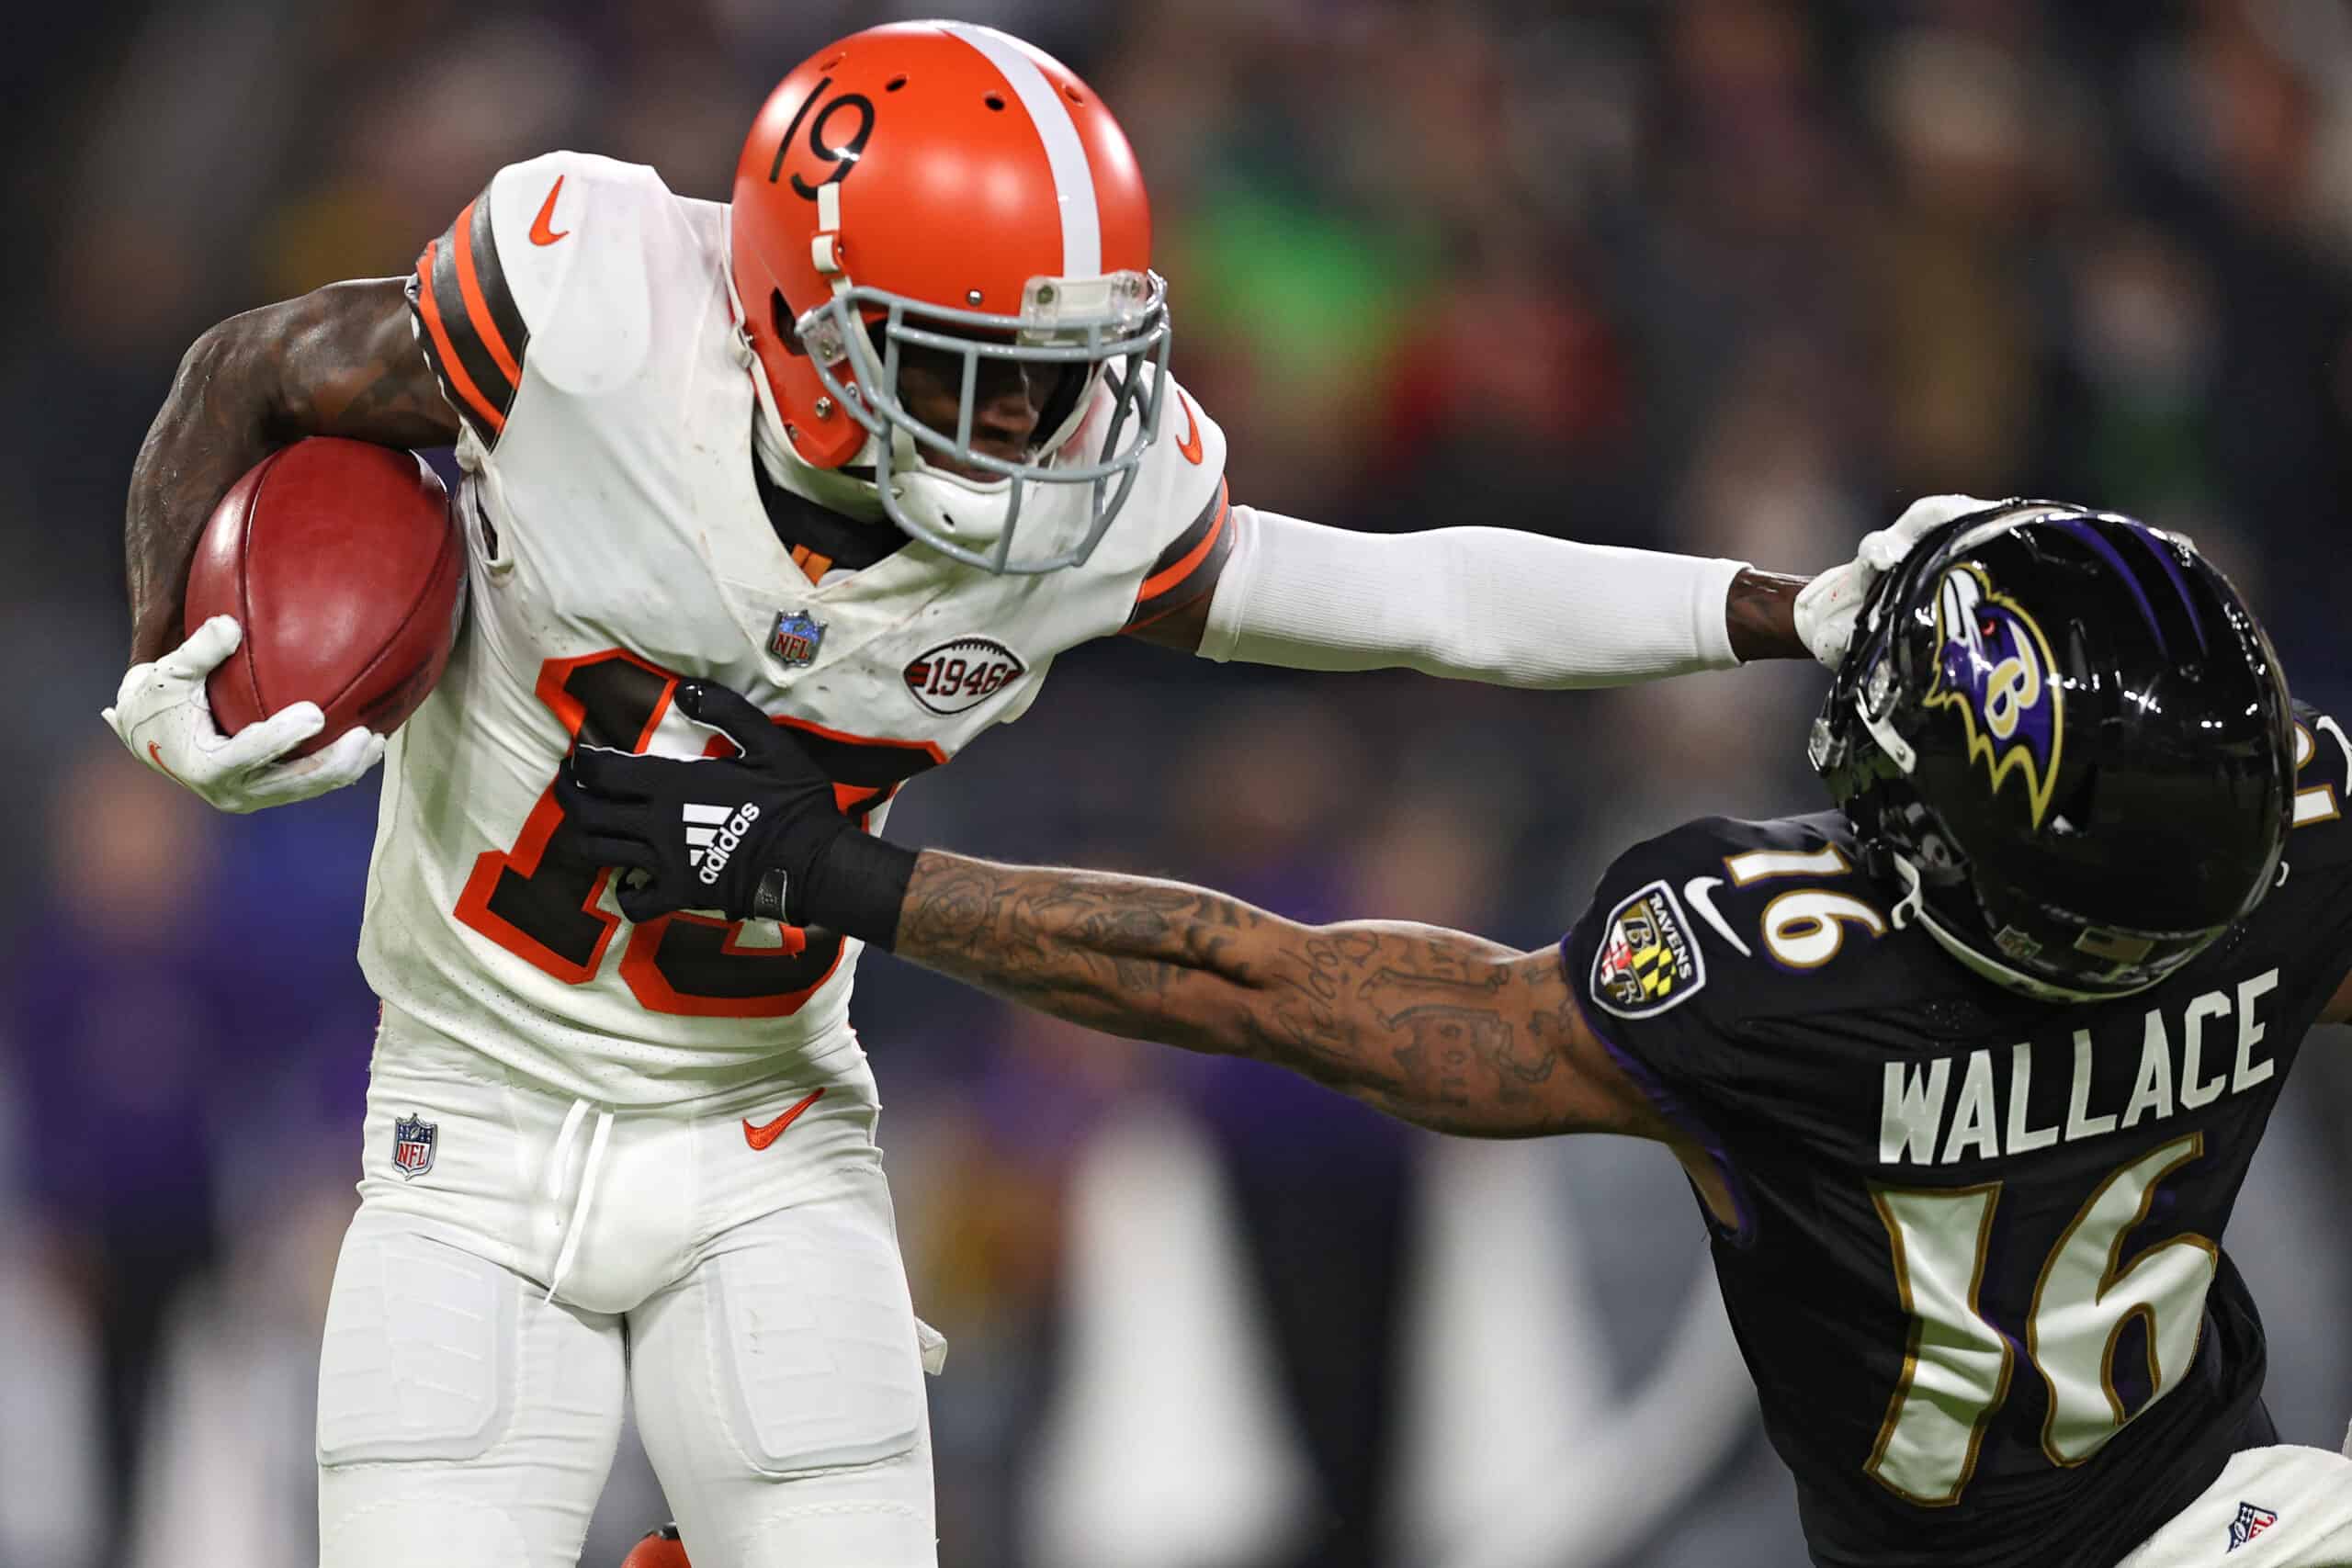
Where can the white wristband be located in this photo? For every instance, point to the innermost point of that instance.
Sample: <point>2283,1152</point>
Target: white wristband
<point>1494,604</point>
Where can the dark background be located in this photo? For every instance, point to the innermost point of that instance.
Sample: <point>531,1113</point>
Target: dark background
<point>1731,277</point>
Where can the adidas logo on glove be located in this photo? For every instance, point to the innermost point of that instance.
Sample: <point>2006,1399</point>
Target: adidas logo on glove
<point>713,834</point>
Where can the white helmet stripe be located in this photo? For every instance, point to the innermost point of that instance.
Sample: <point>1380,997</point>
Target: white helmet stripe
<point>1065,152</point>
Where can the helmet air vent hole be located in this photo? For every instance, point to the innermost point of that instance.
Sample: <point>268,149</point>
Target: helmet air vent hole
<point>1072,94</point>
<point>828,64</point>
<point>895,82</point>
<point>2081,802</point>
<point>780,321</point>
<point>995,101</point>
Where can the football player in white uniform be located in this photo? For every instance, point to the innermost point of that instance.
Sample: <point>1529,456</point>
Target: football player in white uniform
<point>872,444</point>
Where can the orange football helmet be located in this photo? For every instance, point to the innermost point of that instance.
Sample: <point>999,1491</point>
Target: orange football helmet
<point>659,1549</point>
<point>945,185</point>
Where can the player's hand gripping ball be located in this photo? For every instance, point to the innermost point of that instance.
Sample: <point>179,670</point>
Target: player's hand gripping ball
<point>321,607</point>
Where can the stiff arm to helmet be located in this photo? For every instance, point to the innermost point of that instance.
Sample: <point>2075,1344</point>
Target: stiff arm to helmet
<point>946,189</point>
<point>1510,607</point>
<point>1830,608</point>
<point>1492,604</point>
<point>2067,738</point>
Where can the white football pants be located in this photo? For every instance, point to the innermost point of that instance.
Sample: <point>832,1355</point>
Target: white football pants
<point>2275,1508</point>
<point>741,1281</point>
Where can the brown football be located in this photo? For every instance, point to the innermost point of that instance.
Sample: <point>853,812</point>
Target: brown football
<point>341,561</point>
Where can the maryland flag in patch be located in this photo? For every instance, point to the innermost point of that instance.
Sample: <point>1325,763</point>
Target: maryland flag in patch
<point>1646,961</point>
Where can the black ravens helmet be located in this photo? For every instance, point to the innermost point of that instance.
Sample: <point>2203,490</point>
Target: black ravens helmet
<point>2068,740</point>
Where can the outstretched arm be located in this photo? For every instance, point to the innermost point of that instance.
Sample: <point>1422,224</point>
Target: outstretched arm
<point>340,361</point>
<point>1435,1026</point>
<point>1500,605</point>
<point>1495,604</point>
<point>1438,1027</point>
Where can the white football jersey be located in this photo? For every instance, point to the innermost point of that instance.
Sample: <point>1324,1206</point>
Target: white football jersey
<point>579,317</point>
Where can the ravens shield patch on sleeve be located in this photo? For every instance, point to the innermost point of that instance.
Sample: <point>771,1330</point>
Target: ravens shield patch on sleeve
<point>1647,960</point>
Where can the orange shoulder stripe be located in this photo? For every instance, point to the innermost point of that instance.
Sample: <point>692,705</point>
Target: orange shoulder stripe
<point>1163,580</point>
<point>451,366</point>
<point>477,307</point>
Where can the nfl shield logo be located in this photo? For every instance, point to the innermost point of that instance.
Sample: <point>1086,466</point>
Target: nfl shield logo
<point>2251,1522</point>
<point>412,1142</point>
<point>796,638</point>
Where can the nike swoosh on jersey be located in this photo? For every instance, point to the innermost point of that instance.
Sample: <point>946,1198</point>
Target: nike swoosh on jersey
<point>543,232</point>
<point>1699,893</point>
<point>761,1137</point>
<point>1191,445</point>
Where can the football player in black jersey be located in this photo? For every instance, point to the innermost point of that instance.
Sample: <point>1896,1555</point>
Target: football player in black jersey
<point>1966,1073</point>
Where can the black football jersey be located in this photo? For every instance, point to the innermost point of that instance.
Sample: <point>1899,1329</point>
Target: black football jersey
<point>1977,1271</point>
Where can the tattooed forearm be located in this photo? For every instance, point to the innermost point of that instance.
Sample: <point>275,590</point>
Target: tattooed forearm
<point>1760,614</point>
<point>1440,1028</point>
<point>340,361</point>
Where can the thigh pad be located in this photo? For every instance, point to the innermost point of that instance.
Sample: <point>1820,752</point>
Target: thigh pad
<point>811,1339</point>
<point>419,1359</point>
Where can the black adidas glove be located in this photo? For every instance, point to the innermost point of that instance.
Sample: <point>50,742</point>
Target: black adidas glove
<point>756,835</point>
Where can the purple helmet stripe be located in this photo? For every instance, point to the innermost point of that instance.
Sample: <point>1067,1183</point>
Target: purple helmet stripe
<point>2147,536</point>
<point>2085,530</point>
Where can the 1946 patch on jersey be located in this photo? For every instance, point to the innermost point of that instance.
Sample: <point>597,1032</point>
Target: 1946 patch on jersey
<point>1647,960</point>
<point>963,673</point>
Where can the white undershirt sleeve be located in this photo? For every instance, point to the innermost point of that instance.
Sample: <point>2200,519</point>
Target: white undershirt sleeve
<point>1493,604</point>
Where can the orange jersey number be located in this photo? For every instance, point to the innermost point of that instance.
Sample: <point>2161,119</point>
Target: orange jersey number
<point>541,902</point>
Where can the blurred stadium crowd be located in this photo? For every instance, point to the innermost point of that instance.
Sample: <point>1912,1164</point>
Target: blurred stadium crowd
<point>1733,276</point>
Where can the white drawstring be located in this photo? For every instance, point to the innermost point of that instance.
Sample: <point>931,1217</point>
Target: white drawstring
<point>580,1204</point>
<point>556,1163</point>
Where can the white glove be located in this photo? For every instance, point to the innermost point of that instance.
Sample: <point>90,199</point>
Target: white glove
<point>1827,607</point>
<point>162,714</point>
